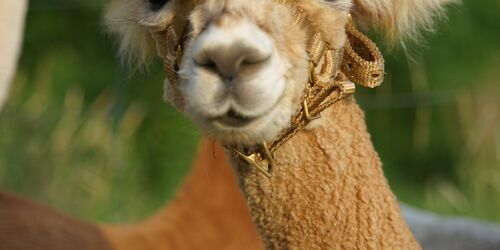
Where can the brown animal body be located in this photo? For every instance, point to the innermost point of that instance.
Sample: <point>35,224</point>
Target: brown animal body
<point>25,225</point>
<point>208,212</point>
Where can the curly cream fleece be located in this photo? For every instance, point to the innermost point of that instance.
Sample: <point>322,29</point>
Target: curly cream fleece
<point>328,190</point>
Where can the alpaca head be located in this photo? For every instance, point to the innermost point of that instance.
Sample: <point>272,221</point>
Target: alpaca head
<point>245,63</point>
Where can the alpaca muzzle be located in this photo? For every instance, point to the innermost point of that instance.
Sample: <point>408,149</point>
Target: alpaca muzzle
<point>332,74</point>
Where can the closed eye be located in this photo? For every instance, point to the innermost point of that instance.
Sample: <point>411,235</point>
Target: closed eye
<point>156,5</point>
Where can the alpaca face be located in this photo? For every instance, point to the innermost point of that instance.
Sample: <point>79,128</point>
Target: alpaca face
<point>243,70</point>
<point>245,63</point>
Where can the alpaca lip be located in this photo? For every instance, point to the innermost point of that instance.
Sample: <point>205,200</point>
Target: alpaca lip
<point>234,119</point>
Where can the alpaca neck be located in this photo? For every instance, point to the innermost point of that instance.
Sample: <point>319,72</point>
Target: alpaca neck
<point>208,212</point>
<point>328,190</point>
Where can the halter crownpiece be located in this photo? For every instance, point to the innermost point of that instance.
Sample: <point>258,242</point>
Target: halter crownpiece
<point>332,74</point>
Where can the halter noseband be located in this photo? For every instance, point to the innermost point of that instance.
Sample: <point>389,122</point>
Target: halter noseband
<point>332,74</point>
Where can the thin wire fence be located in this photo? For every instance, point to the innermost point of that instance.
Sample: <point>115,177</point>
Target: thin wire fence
<point>63,5</point>
<point>408,100</point>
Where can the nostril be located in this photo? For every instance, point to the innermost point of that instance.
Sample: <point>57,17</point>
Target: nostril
<point>207,64</point>
<point>229,79</point>
<point>255,59</point>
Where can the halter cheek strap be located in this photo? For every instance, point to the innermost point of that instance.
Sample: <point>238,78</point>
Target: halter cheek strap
<point>332,74</point>
<point>174,36</point>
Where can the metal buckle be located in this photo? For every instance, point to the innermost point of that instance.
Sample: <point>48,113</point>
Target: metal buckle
<point>347,88</point>
<point>254,159</point>
<point>306,112</point>
<point>178,57</point>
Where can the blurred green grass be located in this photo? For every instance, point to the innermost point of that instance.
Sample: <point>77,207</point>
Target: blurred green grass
<point>84,135</point>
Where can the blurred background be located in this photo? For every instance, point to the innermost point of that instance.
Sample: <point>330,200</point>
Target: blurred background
<point>83,134</point>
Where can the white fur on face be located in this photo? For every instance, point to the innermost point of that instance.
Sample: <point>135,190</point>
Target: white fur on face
<point>254,91</point>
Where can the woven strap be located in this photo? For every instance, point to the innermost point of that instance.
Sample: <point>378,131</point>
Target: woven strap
<point>363,63</point>
<point>173,50</point>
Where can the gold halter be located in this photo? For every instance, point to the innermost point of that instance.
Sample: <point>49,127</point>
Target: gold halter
<point>332,74</point>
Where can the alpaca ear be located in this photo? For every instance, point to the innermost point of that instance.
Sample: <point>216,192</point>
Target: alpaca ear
<point>399,20</point>
<point>135,44</point>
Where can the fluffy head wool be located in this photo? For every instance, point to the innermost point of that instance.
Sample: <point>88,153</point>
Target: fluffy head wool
<point>397,20</point>
<point>400,20</point>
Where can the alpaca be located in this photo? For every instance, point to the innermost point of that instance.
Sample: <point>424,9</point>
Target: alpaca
<point>208,212</point>
<point>11,28</point>
<point>238,69</point>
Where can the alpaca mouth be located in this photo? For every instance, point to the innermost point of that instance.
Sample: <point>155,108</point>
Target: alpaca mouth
<point>234,119</point>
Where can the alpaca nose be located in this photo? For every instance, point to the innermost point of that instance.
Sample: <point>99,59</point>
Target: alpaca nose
<point>229,51</point>
<point>229,59</point>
